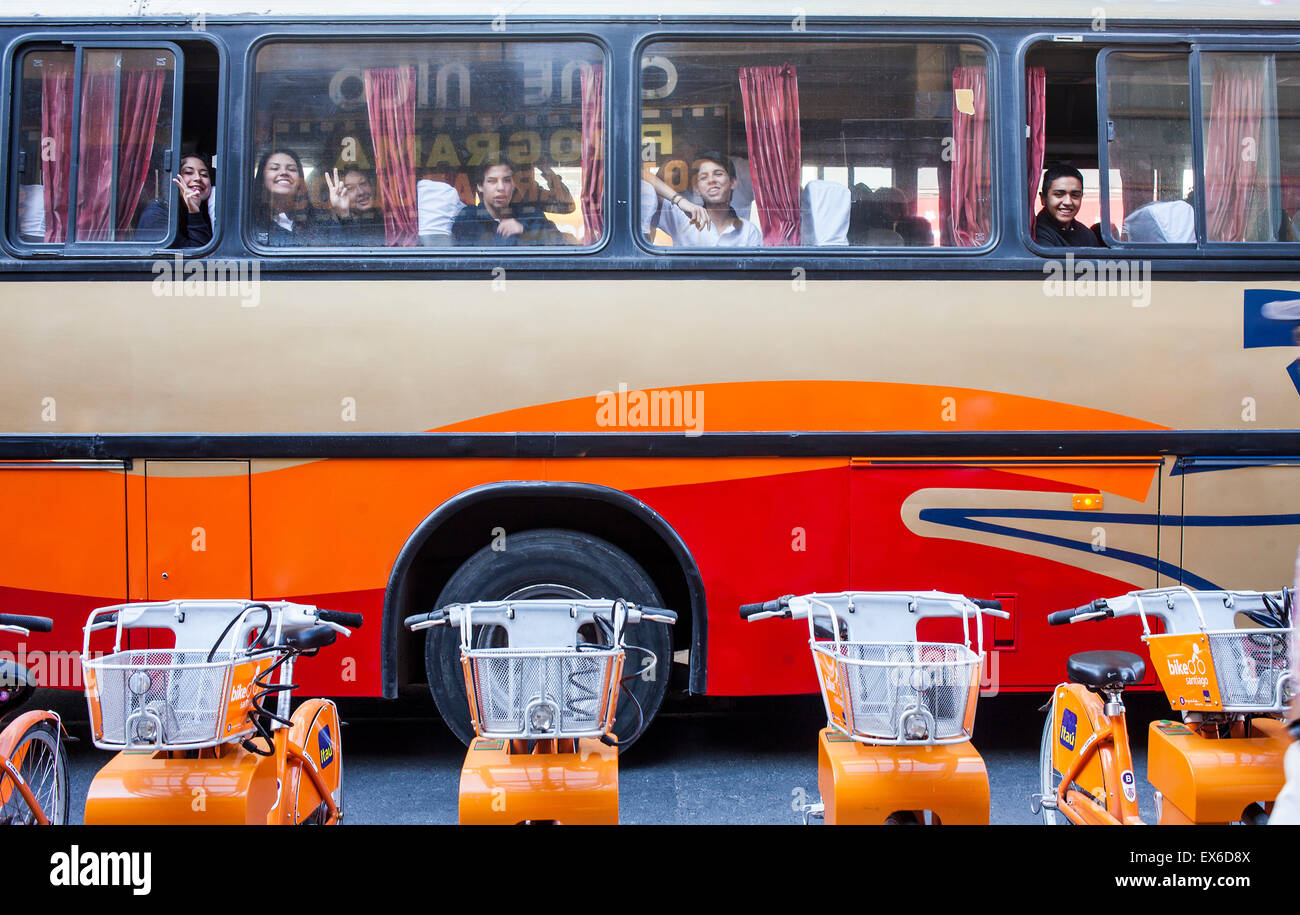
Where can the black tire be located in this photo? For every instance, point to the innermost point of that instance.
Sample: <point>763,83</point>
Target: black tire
<point>42,761</point>
<point>575,565</point>
<point>1048,778</point>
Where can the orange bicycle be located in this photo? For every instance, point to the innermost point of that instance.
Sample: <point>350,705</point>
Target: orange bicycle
<point>33,761</point>
<point>1223,660</point>
<point>198,742</point>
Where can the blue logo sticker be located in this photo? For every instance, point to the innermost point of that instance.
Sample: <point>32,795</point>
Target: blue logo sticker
<point>1069,726</point>
<point>326,746</point>
<point>1271,317</point>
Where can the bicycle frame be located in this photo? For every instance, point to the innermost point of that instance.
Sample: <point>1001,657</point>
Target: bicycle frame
<point>1104,752</point>
<point>15,729</point>
<point>12,732</point>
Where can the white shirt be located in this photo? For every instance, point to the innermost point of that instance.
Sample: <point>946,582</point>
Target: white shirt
<point>740,234</point>
<point>437,205</point>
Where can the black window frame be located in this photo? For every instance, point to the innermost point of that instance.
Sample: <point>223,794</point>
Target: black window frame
<point>1104,43</point>
<point>79,45</point>
<point>861,37</point>
<point>455,252</point>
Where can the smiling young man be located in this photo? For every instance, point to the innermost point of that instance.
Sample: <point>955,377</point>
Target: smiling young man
<point>495,220</point>
<point>1062,195</point>
<point>713,225</point>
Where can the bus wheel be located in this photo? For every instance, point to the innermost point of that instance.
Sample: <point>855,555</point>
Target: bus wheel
<point>552,563</point>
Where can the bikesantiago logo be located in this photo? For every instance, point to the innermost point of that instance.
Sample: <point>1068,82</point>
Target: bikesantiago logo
<point>1193,668</point>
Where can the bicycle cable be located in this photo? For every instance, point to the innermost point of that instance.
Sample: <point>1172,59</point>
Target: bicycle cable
<point>257,717</point>
<point>261,635</point>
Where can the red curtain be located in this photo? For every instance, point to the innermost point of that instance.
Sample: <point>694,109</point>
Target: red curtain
<point>1036,110</point>
<point>142,91</point>
<point>970,195</point>
<point>96,147</point>
<point>771,100</point>
<point>56,125</point>
<point>1236,116</point>
<point>390,101</point>
<point>593,152</point>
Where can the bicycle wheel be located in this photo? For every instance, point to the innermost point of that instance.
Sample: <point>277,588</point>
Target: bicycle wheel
<point>42,762</point>
<point>1048,778</point>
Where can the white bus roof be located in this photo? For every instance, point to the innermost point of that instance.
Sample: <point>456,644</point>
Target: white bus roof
<point>325,10</point>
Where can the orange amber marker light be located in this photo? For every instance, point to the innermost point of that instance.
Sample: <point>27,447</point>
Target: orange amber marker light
<point>1088,502</point>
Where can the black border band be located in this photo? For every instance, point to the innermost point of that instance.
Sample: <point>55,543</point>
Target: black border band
<point>1180,443</point>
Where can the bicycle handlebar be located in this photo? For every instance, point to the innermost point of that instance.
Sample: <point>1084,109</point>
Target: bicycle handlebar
<point>452,615</point>
<point>30,623</point>
<point>780,605</point>
<point>338,616</point>
<point>658,615</point>
<point>425,620</point>
<point>1097,609</point>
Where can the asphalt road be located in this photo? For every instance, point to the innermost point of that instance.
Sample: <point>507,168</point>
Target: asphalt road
<point>706,761</point>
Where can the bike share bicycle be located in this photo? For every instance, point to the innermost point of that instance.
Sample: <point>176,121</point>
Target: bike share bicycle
<point>1222,762</point>
<point>896,748</point>
<point>198,742</point>
<point>542,699</point>
<point>33,760</point>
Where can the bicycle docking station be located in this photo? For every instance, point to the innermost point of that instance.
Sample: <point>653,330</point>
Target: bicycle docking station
<point>896,748</point>
<point>542,678</point>
<point>196,740</point>
<point>503,783</point>
<point>864,784</point>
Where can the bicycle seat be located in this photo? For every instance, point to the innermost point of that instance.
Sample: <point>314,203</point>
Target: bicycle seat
<point>1096,669</point>
<point>15,685</point>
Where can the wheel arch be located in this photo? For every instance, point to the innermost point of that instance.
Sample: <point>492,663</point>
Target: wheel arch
<point>458,527</point>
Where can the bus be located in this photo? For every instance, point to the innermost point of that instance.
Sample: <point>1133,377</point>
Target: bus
<point>390,309</point>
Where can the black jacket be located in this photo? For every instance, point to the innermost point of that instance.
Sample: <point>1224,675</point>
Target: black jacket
<point>1075,235</point>
<point>193,230</point>
<point>474,226</point>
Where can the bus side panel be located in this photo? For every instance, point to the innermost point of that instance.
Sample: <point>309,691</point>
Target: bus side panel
<point>62,553</point>
<point>1028,532</point>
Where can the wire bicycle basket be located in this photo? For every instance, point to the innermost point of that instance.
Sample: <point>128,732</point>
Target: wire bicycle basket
<point>894,690</point>
<point>899,692</point>
<point>1207,663</point>
<point>181,698</point>
<point>543,691</point>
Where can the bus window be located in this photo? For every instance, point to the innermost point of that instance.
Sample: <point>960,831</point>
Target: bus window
<point>1061,130</point>
<point>815,144</point>
<point>440,145</point>
<point>119,130</point>
<point>1149,146</point>
<point>1250,119</point>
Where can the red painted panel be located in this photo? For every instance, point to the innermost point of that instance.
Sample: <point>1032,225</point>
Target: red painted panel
<point>887,556</point>
<point>756,539</point>
<point>349,667</point>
